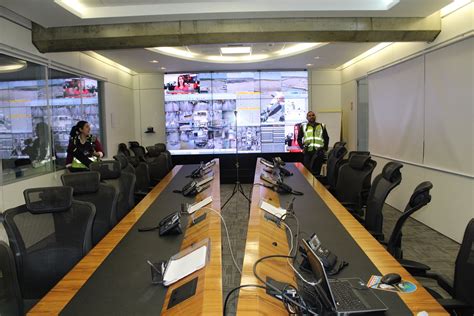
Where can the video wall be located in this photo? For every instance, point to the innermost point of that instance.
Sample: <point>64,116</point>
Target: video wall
<point>222,112</point>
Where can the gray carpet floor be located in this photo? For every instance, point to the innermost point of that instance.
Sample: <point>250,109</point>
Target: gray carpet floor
<point>419,243</point>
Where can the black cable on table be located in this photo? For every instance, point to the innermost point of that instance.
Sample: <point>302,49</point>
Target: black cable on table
<point>235,289</point>
<point>274,287</point>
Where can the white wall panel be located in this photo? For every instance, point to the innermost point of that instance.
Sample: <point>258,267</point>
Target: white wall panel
<point>449,127</point>
<point>396,109</point>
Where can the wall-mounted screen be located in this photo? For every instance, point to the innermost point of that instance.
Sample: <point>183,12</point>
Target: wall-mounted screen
<point>222,112</point>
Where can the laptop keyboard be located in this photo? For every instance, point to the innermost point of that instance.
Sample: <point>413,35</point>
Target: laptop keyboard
<point>345,297</point>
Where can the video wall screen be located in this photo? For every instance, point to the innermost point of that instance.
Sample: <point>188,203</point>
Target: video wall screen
<point>222,112</point>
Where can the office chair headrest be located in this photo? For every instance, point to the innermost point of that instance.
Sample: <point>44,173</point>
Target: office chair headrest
<point>339,144</point>
<point>359,161</point>
<point>153,151</point>
<point>421,195</point>
<point>48,200</point>
<point>82,182</point>
<point>134,144</point>
<point>123,148</point>
<point>391,171</point>
<point>123,161</point>
<point>108,169</point>
<point>160,147</point>
<point>339,151</point>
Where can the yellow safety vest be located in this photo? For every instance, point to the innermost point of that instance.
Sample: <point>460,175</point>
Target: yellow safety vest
<point>313,136</point>
<point>77,164</point>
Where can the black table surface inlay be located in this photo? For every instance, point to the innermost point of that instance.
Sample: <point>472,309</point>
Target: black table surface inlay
<point>315,217</point>
<point>121,285</point>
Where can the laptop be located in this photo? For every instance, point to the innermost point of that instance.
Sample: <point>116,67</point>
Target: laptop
<point>344,296</point>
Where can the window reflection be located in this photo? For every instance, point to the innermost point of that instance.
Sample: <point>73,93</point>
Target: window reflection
<point>38,107</point>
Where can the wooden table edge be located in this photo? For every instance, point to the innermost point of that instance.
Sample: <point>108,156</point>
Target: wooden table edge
<point>380,257</point>
<point>65,290</point>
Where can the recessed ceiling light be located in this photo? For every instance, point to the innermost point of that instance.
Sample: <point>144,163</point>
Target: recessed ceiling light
<point>317,57</point>
<point>236,50</point>
<point>163,68</point>
<point>154,61</point>
<point>286,51</point>
<point>309,65</point>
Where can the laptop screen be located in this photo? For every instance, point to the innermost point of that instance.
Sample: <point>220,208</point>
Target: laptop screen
<point>319,273</point>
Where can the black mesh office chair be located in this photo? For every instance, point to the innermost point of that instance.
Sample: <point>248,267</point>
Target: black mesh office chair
<point>462,289</point>
<point>87,188</point>
<point>355,152</point>
<point>419,198</point>
<point>138,151</point>
<point>162,148</point>
<point>335,158</point>
<point>351,184</point>
<point>371,216</point>
<point>48,236</point>
<point>142,176</point>
<point>123,150</point>
<point>158,164</point>
<point>124,182</point>
<point>11,302</point>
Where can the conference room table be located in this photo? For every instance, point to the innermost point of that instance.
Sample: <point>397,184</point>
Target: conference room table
<point>114,277</point>
<point>317,212</point>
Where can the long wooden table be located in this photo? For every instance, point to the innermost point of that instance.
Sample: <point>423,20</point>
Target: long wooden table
<point>265,238</point>
<point>208,296</point>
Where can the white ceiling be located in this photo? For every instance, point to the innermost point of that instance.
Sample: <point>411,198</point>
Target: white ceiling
<point>331,55</point>
<point>49,14</point>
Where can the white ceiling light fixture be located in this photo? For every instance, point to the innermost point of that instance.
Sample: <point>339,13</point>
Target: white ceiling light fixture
<point>454,6</point>
<point>236,50</point>
<point>286,51</point>
<point>174,51</point>
<point>297,48</point>
<point>154,61</point>
<point>75,7</point>
<point>365,54</point>
<point>17,66</point>
<point>108,61</point>
<point>94,9</point>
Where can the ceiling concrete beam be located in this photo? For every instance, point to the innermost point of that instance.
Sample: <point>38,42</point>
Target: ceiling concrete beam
<point>182,33</point>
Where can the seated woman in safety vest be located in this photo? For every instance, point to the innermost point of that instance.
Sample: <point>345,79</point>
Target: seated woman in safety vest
<point>83,148</point>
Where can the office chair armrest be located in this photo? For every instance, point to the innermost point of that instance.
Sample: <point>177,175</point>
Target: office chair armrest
<point>379,236</point>
<point>140,194</point>
<point>322,179</point>
<point>442,282</point>
<point>451,304</point>
<point>354,208</point>
<point>415,268</point>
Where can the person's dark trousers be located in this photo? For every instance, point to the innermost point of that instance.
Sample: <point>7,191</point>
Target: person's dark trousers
<point>307,157</point>
<point>317,162</point>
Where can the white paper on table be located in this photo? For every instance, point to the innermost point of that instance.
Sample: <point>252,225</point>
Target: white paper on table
<point>197,206</point>
<point>277,211</point>
<point>184,266</point>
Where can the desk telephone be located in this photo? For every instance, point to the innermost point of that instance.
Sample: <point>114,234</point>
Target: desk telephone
<point>279,163</point>
<point>194,187</point>
<point>331,263</point>
<point>203,169</point>
<point>279,186</point>
<point>171,224</point>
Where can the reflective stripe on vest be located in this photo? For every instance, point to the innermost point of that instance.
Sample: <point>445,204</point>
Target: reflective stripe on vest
<point>77,164</point>
<point>313,136</point>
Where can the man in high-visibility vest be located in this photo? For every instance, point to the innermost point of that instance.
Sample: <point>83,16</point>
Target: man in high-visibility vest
<point>313,139</point>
